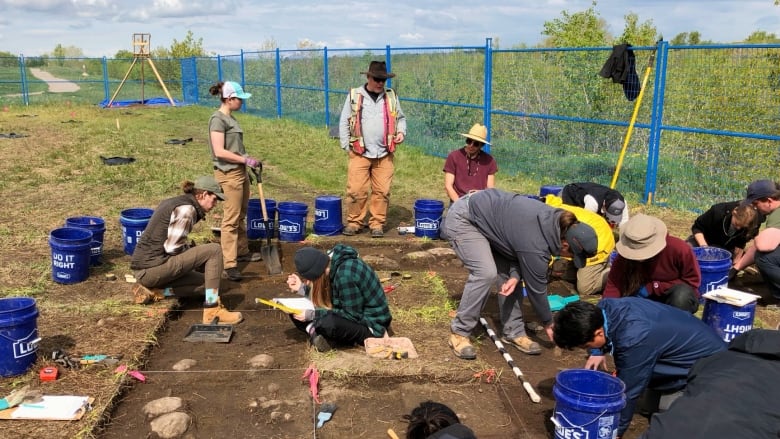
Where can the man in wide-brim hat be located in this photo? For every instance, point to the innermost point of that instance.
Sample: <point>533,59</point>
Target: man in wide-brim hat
<point>470,168</point>
<point>372,124</point>
<point>654,265</point>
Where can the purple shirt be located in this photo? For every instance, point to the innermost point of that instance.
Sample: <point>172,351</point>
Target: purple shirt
<point>470,174</point>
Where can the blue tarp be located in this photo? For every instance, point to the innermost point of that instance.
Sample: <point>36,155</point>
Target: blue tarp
<point>151,101</point>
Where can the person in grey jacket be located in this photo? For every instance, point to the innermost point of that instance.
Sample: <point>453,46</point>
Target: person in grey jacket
<point>371,125</point>
<point>506,238</point>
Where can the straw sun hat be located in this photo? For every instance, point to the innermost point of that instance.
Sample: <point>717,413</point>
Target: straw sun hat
<point>641,238</point>
<point>477,132</point>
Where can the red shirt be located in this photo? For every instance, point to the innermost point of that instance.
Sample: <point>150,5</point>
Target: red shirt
<point>675,264</point>
<point>470,174</point>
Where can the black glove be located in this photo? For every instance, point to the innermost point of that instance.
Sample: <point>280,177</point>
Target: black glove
<point>732,273</point>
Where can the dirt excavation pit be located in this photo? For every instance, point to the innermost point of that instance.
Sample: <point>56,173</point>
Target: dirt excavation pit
<point>254,386</point>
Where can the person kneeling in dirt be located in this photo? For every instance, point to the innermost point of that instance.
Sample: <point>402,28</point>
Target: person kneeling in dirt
<point>591,278</point>
<point>504,238</point>
<point>350,303</point>
<point>653,345</point>
<point>434,420</point>
<point>654,265</point>
<point>164,257</point>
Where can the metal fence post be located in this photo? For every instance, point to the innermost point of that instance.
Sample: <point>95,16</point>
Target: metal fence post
<point>219,68</point>
<point>278,76</point>
<point>106,91</point>
<point>243,77</point>
<point>487,101</point>
<point>326,85</point>
<point>656,121</point>
<point>23,76</point>
<point>389,63</point>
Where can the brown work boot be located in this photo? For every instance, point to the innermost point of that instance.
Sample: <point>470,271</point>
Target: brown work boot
<point>461,347</point>
<point>524,344</point>
<point>145,296</point>
<point>223,316</point>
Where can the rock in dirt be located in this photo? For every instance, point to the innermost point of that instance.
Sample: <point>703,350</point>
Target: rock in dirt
<point>163,405</point>
<point>381,262</point>
<point>443,252</point>
<point>262,360</point>
<point>171,425</point>
<point>419,256</point>
<point>184,364</point>
<point>273,388</point>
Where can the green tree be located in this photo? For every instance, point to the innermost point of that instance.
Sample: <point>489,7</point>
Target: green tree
<point>188,47</point>
<point>580,29</point>
<point>644,34</point>
<point>760,36</point>
<point>685,38</point>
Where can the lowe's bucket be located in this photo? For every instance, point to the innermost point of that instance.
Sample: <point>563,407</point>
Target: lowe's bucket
<point>550,190</point>
<point>292,220</point>
<point>327,215</point>
<point>587,404</point>
<point>18,335</point>
<point>134,222</point>
<point>70,254</point>
<point>95,225</point>
<point>714,264</point>
<point>729,312</point>
<point>427,218</point>
<point>255,226</point>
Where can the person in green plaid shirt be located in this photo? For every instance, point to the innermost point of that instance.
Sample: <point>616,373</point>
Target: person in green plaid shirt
<point>349,301</point>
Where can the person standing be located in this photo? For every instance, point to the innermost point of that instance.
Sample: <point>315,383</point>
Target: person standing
<point>349,301</point>
<point>372,124</point>
<point>597,198</point>
<point>503,238</point>
<point>470,168</point>
<point>653,345</point>
<point>728,226</point>
<point>654,265</point>
<point>165,258</point>
<point>231,163</point>
<point>764,195</point>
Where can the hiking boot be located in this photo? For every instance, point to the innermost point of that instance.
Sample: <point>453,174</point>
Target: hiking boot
<point>524,344</point>
<point>250,257</point>
<point>377,233</point>
<point>223,316</point>
<point>320,343</point>
<point>461,347</point>
<point>233,274</point>
<point>145,296</point>
<point>350,231</point>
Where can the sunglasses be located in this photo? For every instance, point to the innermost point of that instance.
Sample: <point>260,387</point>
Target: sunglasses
<point>379,79</point>
<point>473,142</point>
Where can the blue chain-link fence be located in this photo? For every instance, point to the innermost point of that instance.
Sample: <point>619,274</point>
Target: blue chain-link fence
<point>707,122</point>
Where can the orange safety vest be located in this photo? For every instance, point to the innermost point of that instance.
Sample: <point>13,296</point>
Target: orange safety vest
<point>390,115</point>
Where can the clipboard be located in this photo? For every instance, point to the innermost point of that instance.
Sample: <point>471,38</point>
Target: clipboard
<point>43,413</point>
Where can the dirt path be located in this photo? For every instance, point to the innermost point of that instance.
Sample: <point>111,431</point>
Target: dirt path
<point>56,85</point>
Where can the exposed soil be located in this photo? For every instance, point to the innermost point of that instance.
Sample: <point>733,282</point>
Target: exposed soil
<point>228,398</point>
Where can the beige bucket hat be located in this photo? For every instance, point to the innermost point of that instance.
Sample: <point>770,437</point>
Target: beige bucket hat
<point>641,237</point>
<point>478,132</point>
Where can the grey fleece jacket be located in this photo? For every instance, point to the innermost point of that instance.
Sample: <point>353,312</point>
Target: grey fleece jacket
<point>523,231</point>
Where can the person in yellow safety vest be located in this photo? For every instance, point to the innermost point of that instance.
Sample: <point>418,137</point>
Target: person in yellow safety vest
<point>372,124</point>
<point>591,278</point>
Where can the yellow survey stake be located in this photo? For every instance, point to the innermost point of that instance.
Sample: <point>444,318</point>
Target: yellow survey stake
<point>278,306</point>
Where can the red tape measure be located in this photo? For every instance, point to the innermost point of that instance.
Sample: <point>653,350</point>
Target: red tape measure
<point>49,373</point>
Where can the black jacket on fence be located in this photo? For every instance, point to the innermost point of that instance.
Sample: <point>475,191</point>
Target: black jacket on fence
<point>621,67</point>
<point>731,394</point>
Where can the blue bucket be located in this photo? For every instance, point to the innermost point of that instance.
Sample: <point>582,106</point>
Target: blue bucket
<point>134,222</point>
<point>292,220</point>
<point>714,264</point>
<point>255,226</point>
<point>18,335</point>
<point>95,225</point>
<point>587,404</point>
<point>70,254</point>
<point>427,218</point>
<point>728,320</point>
<point>550,190</point>
<point>327,215</point>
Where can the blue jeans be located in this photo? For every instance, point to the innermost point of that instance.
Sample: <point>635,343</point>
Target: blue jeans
<point>768,264</point>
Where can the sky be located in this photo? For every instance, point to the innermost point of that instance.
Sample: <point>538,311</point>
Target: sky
<point>103,27</point>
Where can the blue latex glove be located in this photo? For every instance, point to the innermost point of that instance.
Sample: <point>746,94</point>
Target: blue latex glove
<point>323,417</point>
<point>643,292</point>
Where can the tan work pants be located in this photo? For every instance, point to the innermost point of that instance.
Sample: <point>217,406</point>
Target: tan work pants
<point>235,185</point>
<point>363,173</point>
